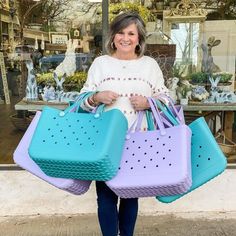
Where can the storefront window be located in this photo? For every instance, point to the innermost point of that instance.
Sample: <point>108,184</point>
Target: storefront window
<point>190,48</point>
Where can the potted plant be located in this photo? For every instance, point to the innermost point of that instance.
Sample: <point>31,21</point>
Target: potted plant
<point>225,77</point>
<point>173,3</point>
<point>159,4</point>
<point>199,78</point>
<point>72,83</point>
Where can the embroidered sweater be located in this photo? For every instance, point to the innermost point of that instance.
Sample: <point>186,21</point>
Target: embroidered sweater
<point>140,76</point>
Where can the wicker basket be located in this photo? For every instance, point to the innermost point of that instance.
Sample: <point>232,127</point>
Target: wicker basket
<point>227,146</point>
<point>21,123</point>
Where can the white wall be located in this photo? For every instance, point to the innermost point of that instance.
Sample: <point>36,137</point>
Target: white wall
<point>224,54</point>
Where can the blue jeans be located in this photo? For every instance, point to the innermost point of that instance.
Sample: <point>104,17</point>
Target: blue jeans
<point>110,219</point>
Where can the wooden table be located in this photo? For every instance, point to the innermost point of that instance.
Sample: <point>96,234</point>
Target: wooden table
<point>24,105</point>
<point>226,109</point>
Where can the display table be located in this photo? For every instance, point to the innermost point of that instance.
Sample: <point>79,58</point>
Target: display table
<point>227,111</point>
<point>37,105</point>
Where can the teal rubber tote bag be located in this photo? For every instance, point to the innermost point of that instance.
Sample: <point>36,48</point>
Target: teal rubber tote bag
<point>207,159</point>
<point>86,146</point>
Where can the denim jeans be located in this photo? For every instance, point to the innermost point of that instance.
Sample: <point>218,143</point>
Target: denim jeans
<point>110,219</point>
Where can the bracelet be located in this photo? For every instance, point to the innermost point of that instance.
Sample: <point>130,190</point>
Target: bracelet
<point>91,101</point>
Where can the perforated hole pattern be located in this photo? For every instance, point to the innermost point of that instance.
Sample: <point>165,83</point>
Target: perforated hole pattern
<point>80,139</point>
<point>152,160</point>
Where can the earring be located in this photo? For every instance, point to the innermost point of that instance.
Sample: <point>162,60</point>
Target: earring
<point>113,45</point>
<point>138,47</point>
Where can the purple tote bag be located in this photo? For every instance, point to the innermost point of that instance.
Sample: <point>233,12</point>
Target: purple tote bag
<point>22,158</point>
<point>154,163</point>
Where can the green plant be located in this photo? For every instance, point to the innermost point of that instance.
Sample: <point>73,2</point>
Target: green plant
<point>116,8</point>
<point>45,79</point>
<point>199,77</point>
<point>184,91</point>
<point>74,82</point>
<point>224,76</point>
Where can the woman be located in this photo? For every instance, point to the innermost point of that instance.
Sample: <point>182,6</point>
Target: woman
<point>123,79</point>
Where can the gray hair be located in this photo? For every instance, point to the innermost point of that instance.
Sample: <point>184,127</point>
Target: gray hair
<point>122,21</point>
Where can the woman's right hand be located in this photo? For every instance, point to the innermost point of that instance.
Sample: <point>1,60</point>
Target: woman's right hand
<point>105,97</point>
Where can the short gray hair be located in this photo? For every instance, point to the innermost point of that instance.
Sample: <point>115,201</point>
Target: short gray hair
<point>122,21</point>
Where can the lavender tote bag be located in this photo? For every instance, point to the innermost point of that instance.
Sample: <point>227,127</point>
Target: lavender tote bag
<point>22,158</point>
<point>154,162</point>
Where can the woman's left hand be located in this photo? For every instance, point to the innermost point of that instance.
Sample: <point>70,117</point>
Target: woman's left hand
<point>139,103</point>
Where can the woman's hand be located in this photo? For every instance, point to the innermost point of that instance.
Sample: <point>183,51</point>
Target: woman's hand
<point>105,97</point>
<point>139,103</point>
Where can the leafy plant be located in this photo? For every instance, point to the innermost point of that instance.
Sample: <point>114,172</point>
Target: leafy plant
<point>116,8</point>
<point>199,77</point>
<point>184,91</point>
<point>224,76</point>
<point>74,82</point>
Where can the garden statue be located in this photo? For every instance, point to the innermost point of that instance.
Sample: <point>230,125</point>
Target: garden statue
<point>219,96</point>
<point>172,85</point>
<point>184,90</point>
<point>48,93</point>
<point>68,65</point>
<point>60,95</point>
<point>31,86</point>
<point>208,66</point>
<point>214,93</point>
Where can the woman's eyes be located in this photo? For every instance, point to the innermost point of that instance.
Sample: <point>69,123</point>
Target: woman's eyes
<point>130,33</point>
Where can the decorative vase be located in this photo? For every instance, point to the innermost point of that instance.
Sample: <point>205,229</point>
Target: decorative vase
<point>159,5</point>
<point>184,101</point>
<point>172,4</point>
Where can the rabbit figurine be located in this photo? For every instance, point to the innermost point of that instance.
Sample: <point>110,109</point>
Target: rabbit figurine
<point>68,65</point>
<point>60,95</point>
<point>31,86</point>
<point>208,64</point>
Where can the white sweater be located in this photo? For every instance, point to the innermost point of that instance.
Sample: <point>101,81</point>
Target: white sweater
<point>140,76</point>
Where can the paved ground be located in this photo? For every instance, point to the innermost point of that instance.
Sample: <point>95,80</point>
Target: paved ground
<point>87,225</point>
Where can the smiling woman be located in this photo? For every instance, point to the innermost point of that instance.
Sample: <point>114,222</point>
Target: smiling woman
<point>122,80</point>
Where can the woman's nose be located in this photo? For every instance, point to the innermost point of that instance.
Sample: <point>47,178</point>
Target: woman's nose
<point>125,37</point>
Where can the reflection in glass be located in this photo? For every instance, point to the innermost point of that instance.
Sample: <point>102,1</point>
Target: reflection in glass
<point>186,37</point>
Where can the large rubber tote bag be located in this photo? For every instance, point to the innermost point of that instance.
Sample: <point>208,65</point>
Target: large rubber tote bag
<point>21,158</point>
<point>154,162</point>
<point>86,146</point>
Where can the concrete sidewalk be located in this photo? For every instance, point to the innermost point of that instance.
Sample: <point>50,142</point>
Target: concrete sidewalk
<point>87,225</point>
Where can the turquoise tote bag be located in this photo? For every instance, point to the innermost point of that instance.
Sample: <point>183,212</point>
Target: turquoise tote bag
<point>207,159</point>
<point>86,146</point>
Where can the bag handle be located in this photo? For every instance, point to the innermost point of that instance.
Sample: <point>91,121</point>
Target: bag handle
<point>136,124</point>
<point>156,115</point>
<point>75,107</point>
<point>168,113</point>
<point>172,105</point>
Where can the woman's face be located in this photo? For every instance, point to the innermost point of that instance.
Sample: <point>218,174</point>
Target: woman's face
<point>126,40</point>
